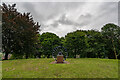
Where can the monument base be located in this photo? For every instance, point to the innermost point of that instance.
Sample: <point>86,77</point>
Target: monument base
<point>60,59</point>
<point>64,62</point>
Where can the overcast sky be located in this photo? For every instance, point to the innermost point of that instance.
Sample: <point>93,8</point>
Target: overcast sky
<point>63,17</point>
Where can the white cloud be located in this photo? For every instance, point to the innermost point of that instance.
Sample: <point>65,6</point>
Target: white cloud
<point>61,30</point>
<point>59,0</point>
<point>64,17</point>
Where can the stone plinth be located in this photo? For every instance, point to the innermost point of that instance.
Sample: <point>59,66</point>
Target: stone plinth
<point>59,58</point>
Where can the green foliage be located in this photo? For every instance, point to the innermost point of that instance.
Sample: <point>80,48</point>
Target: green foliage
<point>48,42</point>
<point>75,43</point>
<point>95,44</point>
<point>85,43</point>
<point>111,33</point>
<point>19,32</point>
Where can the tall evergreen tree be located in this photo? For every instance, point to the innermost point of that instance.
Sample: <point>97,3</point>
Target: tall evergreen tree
<point>19,32</point>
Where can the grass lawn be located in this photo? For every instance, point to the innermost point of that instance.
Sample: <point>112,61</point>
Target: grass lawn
<point>78,68</point>
<point>0,70</point>
<point>0,66</point>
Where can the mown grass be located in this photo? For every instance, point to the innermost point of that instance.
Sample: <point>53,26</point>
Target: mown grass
<point>78,68</point>
<point>0,66</point>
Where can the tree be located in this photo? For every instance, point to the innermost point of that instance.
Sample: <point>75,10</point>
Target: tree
<point>19,32</point>
<point>75,43</point>
<point>95,44</point>
<point>111,32</point>
<point>48,42</point>
<point>62,40</point>
<point>38,47</point>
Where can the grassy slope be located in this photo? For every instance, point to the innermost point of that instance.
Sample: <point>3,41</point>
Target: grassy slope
<point>0,66</point>
<point>78,68</point>
<point>0,70</point>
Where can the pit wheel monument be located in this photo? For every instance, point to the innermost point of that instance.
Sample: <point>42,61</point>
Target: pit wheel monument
<point>60,54</point>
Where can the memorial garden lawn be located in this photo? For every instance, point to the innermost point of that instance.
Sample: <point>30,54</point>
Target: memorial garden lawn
<point>78,68</point>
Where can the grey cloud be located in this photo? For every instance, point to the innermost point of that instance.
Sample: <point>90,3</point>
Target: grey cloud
<point>64,21</point>
<point>44,11</point>
<point>85,16</point>
<point>0,13</point>
<point>85,19</point>
<point>82,20</point>
<point>55,24</point>
<point>30,7</point>
<point>106,9</point>
<point>49,10</point>
<point>107,14</point>
<point>55,13</point>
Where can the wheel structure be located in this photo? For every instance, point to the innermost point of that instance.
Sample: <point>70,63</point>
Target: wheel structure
<point>60,49</point>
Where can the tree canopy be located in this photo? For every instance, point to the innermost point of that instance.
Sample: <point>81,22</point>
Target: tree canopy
<point>19,32</point>
<point>48,41</point>
<point>111,33</point>
<point>21,38</point>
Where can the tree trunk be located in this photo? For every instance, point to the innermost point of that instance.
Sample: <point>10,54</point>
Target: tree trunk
<point>26,56</point>
<point>74,56</point>
<point>114,49</point>
<point>6,56</point>
<point>34,56</point>
<point>39,55</point>
<point>75,53</point>
<point>48,56</point>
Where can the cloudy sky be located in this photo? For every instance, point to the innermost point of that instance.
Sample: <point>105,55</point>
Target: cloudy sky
<point>63,17</point>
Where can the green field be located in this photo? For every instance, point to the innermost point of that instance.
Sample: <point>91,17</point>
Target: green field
<point>78,68</point>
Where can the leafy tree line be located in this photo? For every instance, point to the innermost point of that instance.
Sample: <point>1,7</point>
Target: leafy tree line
<point>86,43</point>
<point>21,38</point>
<point>95,44</point>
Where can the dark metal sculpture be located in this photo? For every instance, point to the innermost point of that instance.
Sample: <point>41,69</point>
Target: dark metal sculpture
<point>60,53</point>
